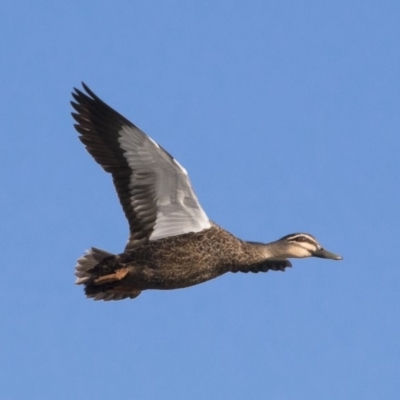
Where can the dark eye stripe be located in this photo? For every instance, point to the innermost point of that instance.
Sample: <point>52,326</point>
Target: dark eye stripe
<point>300,238</point>
<point>303,239</point>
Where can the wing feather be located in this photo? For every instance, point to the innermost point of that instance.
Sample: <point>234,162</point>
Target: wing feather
<point>153,188</point>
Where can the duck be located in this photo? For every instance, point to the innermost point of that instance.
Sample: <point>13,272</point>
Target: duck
<point>172,243</point>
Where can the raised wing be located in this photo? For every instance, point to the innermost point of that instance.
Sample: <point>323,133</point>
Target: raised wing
<point>153,188</point>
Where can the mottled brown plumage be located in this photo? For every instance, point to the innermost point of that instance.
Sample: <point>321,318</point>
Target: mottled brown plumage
<point>172,243</point>
<point>182,261</point>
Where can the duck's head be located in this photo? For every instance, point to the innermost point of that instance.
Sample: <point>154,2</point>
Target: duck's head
<point>301,245</point>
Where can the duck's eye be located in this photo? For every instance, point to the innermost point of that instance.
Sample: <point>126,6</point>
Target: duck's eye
<point>301,239</point>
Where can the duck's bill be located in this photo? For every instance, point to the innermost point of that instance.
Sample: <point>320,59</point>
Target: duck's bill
<point>327,254</point>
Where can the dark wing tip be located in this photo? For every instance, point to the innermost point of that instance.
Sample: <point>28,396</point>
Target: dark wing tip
<point>86,102</point>
<point>82,98</point>
<point>275,265</point>
<point>79,94</point>
<point>265,266</point>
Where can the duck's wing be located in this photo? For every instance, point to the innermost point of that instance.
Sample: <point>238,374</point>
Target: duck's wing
<point>153,188</point>
<point>265,266</point>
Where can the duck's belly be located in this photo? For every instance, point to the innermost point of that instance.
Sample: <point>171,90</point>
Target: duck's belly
<point>166,275</point>
<point>184,260</point>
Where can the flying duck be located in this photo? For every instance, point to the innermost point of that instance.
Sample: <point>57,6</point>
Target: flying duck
<point>172,244</point>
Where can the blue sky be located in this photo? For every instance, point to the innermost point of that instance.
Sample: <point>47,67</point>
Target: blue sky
<point>286,115</point>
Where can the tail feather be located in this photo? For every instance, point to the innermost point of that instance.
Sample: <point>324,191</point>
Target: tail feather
<point>101,288</point>
<point>89,260</point>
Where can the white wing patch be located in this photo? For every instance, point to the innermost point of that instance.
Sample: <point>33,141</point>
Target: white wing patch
<point>180,166</point>
<point>155,143</point>
<point>178,210</point>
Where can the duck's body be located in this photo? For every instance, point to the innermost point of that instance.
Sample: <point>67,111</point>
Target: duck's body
<point>172,242</point>
<point>181,261</point>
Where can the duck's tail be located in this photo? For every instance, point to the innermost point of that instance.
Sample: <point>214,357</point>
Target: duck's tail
<point>102,287</point>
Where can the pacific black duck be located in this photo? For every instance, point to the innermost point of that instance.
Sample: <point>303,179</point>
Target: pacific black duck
<point>172,243</point>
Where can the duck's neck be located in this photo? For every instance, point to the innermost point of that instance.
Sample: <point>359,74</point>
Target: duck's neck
<point>269,250</point>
